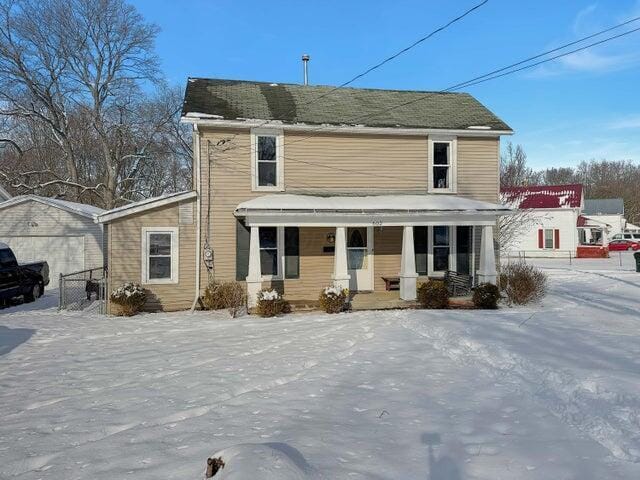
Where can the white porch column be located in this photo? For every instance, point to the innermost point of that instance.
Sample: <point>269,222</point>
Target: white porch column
<point>254,278</point>
<point>487,272</point>
<point>340,272</point>
<point>408,274</point>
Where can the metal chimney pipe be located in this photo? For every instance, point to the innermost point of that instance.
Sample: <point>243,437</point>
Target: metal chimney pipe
<point>305,63</point>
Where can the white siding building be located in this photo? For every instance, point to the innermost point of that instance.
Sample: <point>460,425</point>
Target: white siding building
<point>60,232</point>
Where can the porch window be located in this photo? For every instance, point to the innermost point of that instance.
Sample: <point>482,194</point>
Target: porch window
<point>267,165</point>
<point>441,249</point>
<point>269,251</point>
<point>160,255</point>
<point>421,247</point>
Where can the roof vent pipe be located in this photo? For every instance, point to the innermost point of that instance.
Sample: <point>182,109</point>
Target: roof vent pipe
<point>305,65</point>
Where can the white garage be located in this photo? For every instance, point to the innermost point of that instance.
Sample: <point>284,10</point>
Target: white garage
<point>60,232</point>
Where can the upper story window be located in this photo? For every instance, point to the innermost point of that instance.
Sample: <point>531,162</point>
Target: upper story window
<point>267,169</point>
<point>442,165</point>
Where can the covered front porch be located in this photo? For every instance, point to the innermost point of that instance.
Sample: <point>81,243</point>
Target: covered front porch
<point>301,243</point>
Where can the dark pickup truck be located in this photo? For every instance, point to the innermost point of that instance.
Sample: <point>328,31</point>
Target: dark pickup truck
<point>24,279</point>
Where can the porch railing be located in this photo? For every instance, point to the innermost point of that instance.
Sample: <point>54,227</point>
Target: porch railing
<point>83,290</point>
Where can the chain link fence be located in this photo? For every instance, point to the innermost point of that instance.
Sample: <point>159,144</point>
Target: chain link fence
<point>83,290</point>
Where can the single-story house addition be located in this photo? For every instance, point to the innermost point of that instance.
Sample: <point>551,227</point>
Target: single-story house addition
<point>62,233</point>
<point>290,193</point>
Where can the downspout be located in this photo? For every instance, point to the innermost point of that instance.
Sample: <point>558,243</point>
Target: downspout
<point>196,161</point>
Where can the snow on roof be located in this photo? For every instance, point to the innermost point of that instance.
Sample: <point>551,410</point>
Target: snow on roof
<point>404,203</point>
<point>73,207</point>
<point>143,205</point>
<point>584,221</point>
<point>4,195</point>
<point>543,196</point>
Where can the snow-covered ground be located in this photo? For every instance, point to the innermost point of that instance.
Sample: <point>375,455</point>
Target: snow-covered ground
<point>547,392</point>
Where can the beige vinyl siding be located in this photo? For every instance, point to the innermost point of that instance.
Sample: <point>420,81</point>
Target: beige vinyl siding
<point>125,259</point>
<point>33,218</point>
<point>328,163</point>
<point>352,163</point>
<point>479,168</point>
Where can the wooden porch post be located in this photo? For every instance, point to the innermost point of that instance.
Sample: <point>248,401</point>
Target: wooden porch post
<point>408,275</point>
<point>254,277</point>
<point>340,272</point>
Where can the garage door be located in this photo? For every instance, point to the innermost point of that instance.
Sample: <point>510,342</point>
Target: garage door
<point>63,254</point>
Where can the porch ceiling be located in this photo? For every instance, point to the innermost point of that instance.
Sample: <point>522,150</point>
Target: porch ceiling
<point>291,209</point>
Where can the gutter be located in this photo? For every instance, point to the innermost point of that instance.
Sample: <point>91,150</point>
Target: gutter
<point>198,211</point>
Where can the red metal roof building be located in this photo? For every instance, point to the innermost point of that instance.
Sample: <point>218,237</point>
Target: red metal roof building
<point>544,196</point>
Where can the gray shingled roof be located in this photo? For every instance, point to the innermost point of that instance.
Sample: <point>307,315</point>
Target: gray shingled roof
<point>290,103</point>
<point>604,206</point>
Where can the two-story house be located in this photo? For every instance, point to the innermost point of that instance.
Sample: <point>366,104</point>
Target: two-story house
<point>299,187</point>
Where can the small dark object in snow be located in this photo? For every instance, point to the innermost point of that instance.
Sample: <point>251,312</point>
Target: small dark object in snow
<point>213,465</point>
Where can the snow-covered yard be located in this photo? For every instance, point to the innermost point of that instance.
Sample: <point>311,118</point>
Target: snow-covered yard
<point>551,392</point>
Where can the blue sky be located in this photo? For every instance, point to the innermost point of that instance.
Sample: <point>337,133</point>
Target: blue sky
<point>581,107</point>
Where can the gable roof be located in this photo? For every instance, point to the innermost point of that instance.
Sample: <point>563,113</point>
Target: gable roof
<point>604,206</point>
<point>543,196</point>
<point>144,205</point>
<point>4,195</point>
<point>81,209</point>
<point>299,104</point>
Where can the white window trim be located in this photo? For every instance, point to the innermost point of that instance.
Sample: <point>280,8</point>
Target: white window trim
<point>453,163</point>
<point>452,245</point>
<point>175,255</point>
<point>269,132</point>
<point>280,254</point>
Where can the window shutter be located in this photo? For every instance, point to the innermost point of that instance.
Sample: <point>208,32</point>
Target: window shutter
<point>556,235</point>
<point>540,238</point>
<point>243,238</point>
<point>291,252</point>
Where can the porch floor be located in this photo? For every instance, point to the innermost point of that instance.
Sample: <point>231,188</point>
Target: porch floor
<point>380,301</point>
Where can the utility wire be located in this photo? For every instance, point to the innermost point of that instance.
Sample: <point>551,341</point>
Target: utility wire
<point>498,73</point>
<point>485,77</point>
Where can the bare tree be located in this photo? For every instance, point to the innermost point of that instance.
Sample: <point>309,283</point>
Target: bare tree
<point>514,170</point>
<point>74,77</point>
<point>512,227</point>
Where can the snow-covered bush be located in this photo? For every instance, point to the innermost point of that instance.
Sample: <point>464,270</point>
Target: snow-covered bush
<point>271,303</point>
<point>433,294</point>
<point>229,295</point>
<point>130,298</point>
<point>522,283</point>
<point>486,295</point>
<point>333,299</point>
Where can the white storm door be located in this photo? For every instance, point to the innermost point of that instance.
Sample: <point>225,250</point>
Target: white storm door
<point>360,258</point>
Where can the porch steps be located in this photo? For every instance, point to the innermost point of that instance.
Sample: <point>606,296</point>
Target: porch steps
<point>379,301</point>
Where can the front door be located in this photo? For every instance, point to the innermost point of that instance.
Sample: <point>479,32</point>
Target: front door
<point>360,258</point>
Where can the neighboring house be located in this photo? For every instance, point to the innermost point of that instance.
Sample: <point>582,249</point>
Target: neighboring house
<point>554,212</point>
<point>4,195</point>
<point>60,232</point>
<point>609,211</point>
<point>299,187</point>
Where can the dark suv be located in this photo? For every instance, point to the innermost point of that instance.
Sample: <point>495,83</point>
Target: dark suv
<point>26,280</point>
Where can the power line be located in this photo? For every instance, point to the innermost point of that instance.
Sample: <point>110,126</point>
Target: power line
<point>498,73</point>
<point>485,77</point>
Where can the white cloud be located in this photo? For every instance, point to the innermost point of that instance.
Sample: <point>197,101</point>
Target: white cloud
<point>617,55</point>
<point>625,123</point>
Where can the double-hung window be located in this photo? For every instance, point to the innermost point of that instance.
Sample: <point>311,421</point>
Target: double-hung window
<point>267,160</point>
<point>269,264</point>
<point>442,164</point>
<point>159,255</point>
<point>548,238</point>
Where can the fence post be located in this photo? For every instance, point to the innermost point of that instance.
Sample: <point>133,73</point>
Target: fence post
<point>60,290</point>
